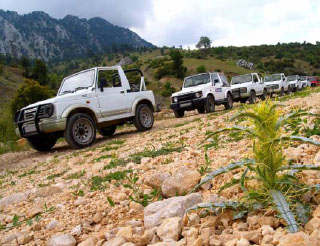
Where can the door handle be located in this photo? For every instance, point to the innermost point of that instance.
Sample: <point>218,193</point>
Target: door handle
<point>122,92</point>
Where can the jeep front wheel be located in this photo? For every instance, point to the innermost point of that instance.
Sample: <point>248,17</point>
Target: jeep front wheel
<point>210,104</point>
<point>252,98</point>
<point>229,103</point>
<point>178,113</point>
<point>107,131</point>
<point>43,142</point>
<point>143,120</point>
<point>80,131</point>
<point>264,95</point>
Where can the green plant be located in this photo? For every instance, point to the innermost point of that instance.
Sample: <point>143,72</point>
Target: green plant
<point>276,181</point>
<point>30,172</point>
<point>78,193</point>
<point>137,194</point>
<point>110,201</point>
<point>201,69</point>
<point>205,168</point>
<point>99,183</point>
<point>56,175</point>
<point>75,175</point>
<point>19,220</point>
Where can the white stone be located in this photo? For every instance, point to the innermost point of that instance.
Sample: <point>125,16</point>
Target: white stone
<point>61,240</point>
<point>170,229</point>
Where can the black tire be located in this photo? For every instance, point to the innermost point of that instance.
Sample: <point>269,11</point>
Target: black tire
<point>143,120</point>
<point>210,105</point>
<point>229,103</point>
<point>201,110</point>
<point>289,90</point>
<point>243,100</point>
<point>178,113</point>
<point>107,131</point>
<point>264,95</point>
<point>42,142</point>
<point>252,98</point>
<point>80,131</point>
<point>282,92</point>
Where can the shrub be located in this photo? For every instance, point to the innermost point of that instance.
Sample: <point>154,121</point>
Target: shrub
<point>29,92</point>
<point>168,90</point>
<point>277,183</point>
<point>201,69</point>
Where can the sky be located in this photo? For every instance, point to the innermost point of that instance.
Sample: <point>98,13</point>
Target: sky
<point>183,22</point>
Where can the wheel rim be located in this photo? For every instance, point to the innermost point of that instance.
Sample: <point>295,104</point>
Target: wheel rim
<point>211,104</point>
<point>146,117</point>
<point>82,131</point>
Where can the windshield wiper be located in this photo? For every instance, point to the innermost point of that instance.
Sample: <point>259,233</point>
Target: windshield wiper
<point>81,88</point>
<point>66,92</point>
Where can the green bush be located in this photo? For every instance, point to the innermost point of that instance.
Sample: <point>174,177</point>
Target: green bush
<point>168,90</point>
<point>201,69</point>
<point>30,92</point>
<point>1,69</point>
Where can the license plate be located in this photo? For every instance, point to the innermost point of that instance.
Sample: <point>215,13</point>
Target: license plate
<point>28,129</point>
<point>185,104</point>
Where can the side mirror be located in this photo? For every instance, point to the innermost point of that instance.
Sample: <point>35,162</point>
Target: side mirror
<point>103,83</point>
<point>283,78</point>
<point>216,81</point>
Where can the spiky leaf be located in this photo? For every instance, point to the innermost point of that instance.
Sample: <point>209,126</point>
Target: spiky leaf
<point>230,167</point>
<point>285,118</point>
<point>216,205</point>
<point>298,139</point>
<point>284,210</point>
<point>302,213</point>
<point>299,167</point>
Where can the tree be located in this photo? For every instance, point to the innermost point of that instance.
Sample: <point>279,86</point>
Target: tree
<point>29,92</point>
<point>201,69</point>
<point>204,42</point>
<point>25,63</point>
<point>40,72</point>
<point>177,63</point>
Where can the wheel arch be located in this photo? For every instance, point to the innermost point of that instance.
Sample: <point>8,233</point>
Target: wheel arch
<point>84,110</point>
<point>142,101</point>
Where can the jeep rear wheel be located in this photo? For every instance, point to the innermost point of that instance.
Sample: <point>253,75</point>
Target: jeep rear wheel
<point>80,131</point>
<point>143,120</point>
<point>210,104</point>
<point>107,131</point>
<point>42,142</point>
<point>229,103</point>
<point>178,113</point>
<point>252,98</point>
<point>289,90</point>
<point>282,92</point>
<point>264,95</point>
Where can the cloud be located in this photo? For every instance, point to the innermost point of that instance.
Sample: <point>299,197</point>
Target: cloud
<point>182,22</point>
<point>126,13</point>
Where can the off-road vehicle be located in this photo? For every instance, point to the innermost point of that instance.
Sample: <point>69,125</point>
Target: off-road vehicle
<point>277,83</point>
<point>248,87</point>
<point>294,82</point>
<point>99,98</point>
<point>202,92</point>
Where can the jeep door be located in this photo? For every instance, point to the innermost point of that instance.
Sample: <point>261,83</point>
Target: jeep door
<point>111,94</point>
<point>257,84</point>
<point>217,85</point>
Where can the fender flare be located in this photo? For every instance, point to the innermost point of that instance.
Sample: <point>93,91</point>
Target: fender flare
<point>138,100</point>
<point>78,106</point>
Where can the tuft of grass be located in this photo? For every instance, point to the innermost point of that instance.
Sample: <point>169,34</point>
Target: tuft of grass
<point>99,183</point>
<point>56,175</point>
<point>27,173</point>
<point>75,175</point>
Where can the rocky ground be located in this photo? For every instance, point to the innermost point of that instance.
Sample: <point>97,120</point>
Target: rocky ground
<point>85,197</point>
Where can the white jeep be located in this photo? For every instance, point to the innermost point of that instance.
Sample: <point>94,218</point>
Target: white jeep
<point>98,98</point>
<point>277,83</point>
<point>304,81</point>
<point>202,92</point>
<point>294,82</point>
<point>248,87</point>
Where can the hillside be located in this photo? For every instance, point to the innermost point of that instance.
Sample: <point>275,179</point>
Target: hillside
<point>87,196</point>
<point>37,35</point>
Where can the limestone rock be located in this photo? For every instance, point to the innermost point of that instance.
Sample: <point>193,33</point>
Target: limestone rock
<point>33,212</point>
<point>156,212</point>
<point>170,229</point>
<point>117,241</point>
<point>15,198</point>
<point>313,224</point>
<point>52,224</point>
<point>47,191</point>
<point>316,159</point>
<point>267,230</point>
<point>297,239</point>
<point>61,240</point>
<point>76,231</point>
<point>243,242</point>
<point>155,180</point>
<point>181,182</point>
<point>88,242</point>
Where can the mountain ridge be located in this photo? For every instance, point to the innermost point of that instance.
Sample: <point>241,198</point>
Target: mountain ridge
<point>37,35</point>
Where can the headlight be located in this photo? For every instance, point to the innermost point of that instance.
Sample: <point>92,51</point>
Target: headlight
<point>46,111</point>
<point>174,99</point>
<point>198,94</point>
<point>243,90</point>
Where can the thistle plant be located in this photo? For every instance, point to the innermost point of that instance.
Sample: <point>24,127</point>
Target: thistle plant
<point>277,184</point>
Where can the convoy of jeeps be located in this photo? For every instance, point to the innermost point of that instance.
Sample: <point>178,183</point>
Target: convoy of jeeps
<point>102,98</point>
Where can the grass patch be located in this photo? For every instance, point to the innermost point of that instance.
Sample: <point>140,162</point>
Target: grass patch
<point>27,173</point>
<point>115,163</point>
<point>298,94</point>
<point>76,175</point>
<point>98,182</point>
<point>56,175</point>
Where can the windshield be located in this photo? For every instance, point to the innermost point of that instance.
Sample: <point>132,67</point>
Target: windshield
<point>241,79</point>
<point>292,78</point>
<point>196,80</point>
<point>303,78</point>
<point>273,77</point>
<point>312,78</point>
<point>77,82</point>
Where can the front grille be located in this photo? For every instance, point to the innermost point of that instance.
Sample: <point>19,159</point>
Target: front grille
<point>29,114</point>
<point>186,97</point>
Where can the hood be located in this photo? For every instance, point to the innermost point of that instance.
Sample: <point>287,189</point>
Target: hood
<point>57,99</point>
<point>236,86</point>
<point>189,90</point>
<point>272,83</point>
